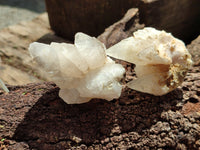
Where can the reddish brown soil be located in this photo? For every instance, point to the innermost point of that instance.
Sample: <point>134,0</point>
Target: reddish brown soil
<point>34,117</point>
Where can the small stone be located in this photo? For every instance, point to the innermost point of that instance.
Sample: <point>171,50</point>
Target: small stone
<point>106,140</point>
<point>160,127</point>
<point>181,147</point>
<point>116,139</point>
<point>76,139</point>
<point>163,135</point>
<point>133,136</point>
<point>194,99</point>
<point>192,119</point>
<point>109,145</point>
<point>197,143</point>
<point>197,83</point>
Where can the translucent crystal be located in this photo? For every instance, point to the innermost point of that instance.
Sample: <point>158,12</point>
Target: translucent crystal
<point>161,60</point>
<point>82,71</point>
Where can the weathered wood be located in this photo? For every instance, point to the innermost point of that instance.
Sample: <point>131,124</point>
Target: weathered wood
<point>121,29</point>
<point>89,16</point>
<point>14,43</point>
<point>17,67</point>
<point>180,17</point>
<point>15,76</point>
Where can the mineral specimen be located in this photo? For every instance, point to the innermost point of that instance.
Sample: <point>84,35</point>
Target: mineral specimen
<point>82,71</point>
<point>161,60</point>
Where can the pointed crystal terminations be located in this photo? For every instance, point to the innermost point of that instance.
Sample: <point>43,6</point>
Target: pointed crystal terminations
<point>161,60</point>
<point>81,70</point>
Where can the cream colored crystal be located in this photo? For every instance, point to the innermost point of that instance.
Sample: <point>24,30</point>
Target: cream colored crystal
<point>82,71</point>
<point>161,60</point>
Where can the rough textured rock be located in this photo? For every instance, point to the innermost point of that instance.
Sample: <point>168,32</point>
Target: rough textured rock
<point>14,42</point>
<point>34,117</point>
<point>15,76</point>
<point>122,29</point>
<point>194,49</point>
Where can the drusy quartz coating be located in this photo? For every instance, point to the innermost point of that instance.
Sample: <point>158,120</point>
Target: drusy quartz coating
<point>81,70</point>
<point>161,60</point>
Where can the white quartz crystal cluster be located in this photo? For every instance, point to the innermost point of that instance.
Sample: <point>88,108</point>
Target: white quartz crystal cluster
<point>81,70</point>
<point>161,60</point>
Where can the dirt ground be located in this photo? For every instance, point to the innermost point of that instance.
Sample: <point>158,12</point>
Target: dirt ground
<point>34,117</point>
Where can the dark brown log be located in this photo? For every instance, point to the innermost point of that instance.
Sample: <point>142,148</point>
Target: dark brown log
<point>122,29</point>
<point>180,17</point>
<point>89,16</point>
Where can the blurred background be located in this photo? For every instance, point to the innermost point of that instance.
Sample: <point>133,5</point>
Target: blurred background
<point>14,11</point>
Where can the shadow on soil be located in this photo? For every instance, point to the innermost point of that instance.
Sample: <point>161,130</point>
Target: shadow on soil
<point>51,122</point>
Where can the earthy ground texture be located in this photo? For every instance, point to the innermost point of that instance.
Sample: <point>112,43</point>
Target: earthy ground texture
<point>34,117</point>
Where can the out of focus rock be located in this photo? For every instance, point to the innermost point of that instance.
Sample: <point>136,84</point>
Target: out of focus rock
<point>122,29</point>
<point>194,49</point>
<point>17,66</point>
